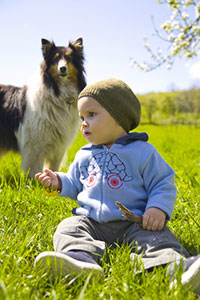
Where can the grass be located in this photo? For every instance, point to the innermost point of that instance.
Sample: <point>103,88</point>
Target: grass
<point>28,220</point>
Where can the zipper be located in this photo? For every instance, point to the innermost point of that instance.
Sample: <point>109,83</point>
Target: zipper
<point>102,177</point>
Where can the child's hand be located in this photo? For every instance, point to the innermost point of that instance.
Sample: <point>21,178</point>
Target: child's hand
<point>154,219</point>
<point>49,179</point>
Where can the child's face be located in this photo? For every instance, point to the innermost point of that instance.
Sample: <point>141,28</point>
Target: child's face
<point>98,126</point>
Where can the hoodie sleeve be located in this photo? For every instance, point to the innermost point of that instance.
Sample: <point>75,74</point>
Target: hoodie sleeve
<point>159,183</point>
<point>71,185</point>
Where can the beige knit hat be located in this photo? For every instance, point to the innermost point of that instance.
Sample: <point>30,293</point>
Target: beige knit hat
<point>118,99</point>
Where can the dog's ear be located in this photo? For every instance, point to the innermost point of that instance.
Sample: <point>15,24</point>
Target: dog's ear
<point>78,44</point>
<point>46,47</point>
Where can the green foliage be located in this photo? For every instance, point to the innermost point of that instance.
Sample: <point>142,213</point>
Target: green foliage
<point>177,107</point>
<point>29,219</point>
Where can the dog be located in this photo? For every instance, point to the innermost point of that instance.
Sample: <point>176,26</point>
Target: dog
<point>40,120</point>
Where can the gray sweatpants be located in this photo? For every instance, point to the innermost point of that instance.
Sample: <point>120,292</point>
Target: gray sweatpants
<point>154,248</point>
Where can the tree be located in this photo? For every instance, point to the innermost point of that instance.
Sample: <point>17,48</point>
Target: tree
<point>167,105</point>
<point>149,105</point>
<point>181,32</point>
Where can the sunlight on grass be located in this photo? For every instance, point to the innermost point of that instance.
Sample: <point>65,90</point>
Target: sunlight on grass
<point>29,219</point>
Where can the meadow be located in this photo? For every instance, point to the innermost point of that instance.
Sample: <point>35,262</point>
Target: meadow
<point>29,217</point>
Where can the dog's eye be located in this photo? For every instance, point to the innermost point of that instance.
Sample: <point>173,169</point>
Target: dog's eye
<point>67,55</point>
<point>56,55</point>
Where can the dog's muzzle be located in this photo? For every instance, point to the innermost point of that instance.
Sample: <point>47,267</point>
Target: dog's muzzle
<point>63,71</point>
<point>62,68</point>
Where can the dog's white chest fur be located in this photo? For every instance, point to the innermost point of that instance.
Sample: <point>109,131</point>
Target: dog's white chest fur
<point>50,125</point>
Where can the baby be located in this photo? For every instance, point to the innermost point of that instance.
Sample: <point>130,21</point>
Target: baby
<point>116,165</point>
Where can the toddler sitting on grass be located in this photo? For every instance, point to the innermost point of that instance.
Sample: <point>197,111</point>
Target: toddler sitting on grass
<point>115,166</point>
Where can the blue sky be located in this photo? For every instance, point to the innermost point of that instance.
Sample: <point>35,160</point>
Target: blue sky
<point>112,32</point>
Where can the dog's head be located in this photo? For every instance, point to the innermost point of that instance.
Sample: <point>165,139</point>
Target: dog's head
<point>64,63</point>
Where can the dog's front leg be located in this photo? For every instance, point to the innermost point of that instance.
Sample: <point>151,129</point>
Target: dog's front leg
<point>54,161</point>
<point>32,162</point>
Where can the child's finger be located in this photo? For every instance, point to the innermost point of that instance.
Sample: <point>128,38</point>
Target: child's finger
<point>145,221</point>
<point>155,225</point>
<point>47,172</point>
<point>161,225</point>
<point>37,175</point>
<point>44,179</point>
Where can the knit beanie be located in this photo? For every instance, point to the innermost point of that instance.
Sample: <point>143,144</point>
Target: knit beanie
<point>118,99</point>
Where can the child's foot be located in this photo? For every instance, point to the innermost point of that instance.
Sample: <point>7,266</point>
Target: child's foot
<point>191,275</point>
<point>68,263</point>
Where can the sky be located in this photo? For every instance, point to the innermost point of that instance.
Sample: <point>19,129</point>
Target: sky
<point>112,32</point>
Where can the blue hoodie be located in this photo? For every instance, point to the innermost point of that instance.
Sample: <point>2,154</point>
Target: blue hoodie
<point>131,172</point>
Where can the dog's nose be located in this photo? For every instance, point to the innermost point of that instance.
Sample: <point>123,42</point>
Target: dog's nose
<point>63,70</point>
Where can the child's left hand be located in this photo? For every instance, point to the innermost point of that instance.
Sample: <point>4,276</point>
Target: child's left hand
<point>154,219</point>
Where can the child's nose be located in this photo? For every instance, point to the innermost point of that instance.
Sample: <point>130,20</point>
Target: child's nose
<point>84,124</point>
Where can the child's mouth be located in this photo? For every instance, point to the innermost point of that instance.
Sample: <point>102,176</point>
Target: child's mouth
<point>86,133</point>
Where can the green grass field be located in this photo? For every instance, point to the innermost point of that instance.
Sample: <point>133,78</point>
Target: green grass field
<point>28,219</point>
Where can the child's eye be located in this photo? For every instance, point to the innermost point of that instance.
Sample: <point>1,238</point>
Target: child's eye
<point>91,114</point>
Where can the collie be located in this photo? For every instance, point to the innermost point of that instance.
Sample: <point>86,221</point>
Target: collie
<point>40,120</point>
